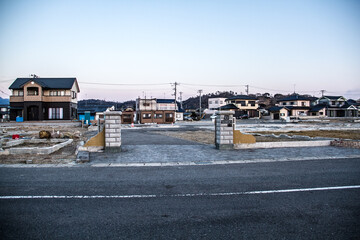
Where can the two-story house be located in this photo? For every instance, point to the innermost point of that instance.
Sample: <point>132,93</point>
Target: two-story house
<point>214,104</point>
<point>296,106</point>
<point>338,106</point>
<point>155,110</point>
<point>44,98</point>
<point>247,105</point>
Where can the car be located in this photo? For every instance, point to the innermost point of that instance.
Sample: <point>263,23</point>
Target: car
<point>244,116</point>
<point>188,118</point>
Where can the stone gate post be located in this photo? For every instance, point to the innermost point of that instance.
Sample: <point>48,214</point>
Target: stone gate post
<point>224,130</point>
<point>112,131</point>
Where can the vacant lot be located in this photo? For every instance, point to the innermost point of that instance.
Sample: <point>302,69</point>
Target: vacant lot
<point>208,137</point>
<point>31,130</point>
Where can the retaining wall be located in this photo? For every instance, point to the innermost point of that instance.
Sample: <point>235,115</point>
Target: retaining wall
<point>283,144</point>
<point>346,143</point>
<point>39,150</point>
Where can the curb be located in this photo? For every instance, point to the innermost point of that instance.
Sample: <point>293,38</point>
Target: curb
<point>321,143</point>
<point>222,162</point>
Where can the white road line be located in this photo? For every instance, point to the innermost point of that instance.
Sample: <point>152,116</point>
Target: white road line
<point>180,195</point>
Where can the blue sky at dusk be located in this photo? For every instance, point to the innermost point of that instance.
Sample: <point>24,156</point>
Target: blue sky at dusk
<point>272,46</point>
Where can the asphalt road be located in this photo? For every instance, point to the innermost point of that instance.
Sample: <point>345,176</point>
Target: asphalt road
<point>197,202</point>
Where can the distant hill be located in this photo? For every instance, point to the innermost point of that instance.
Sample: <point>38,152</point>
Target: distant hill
<point>98,102</point>
<point>4,101</point>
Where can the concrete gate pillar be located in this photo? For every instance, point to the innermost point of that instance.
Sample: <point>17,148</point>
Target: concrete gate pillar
<point>224,130</point>
<point>112,131</point>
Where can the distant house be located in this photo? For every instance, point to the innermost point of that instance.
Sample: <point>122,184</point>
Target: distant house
<point>229,107</point>
<point>95,112</point>
<point>127,116</point>
<point>247,105</point>
<point>4,112</point>
<point>155,110</point>
<point>296,106</point>
<point>44,98</point>
<point>214,104</point>
<point>338,106</point>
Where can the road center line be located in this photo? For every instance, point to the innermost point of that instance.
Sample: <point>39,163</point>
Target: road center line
<point>180,195</point>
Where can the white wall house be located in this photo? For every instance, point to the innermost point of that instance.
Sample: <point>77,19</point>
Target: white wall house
<point>214,104</point>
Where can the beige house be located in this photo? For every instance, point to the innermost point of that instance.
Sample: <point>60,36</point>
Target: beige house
<point>247,105</point>
<point>44,98</point>
<point>296,106</point>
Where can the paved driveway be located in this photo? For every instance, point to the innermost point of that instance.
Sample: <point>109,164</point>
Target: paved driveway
<point>149,137</point>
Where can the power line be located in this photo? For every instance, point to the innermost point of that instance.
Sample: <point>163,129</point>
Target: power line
<point>9,80</point>
<point>4,92</point>
<point>125,84</point>
<point>213,85</point>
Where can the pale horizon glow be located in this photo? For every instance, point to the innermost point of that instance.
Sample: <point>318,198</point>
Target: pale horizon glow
<point>272,46</point>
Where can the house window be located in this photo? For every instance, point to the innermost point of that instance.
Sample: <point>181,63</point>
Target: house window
<point>284,103</point>
<point>57,93</point>
<point>303,104</point>
<point>56,113</point>
<point>158,116</point>
<point>221,102</point>
<point>321,113</point>
<point>73,95</point>
<point>252,103</point>
<point>216,102</point>
<point>282,114</point>
<point>242,103</point>
<point>146,104</point>
<point>210,102</point>
<point>146,115</point>
<point>291,103</point>
<point>32,91</point>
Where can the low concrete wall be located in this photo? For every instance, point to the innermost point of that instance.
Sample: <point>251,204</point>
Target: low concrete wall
<point>346,143</point>
<point>283,144</point>
<point>97,141</point>
<point>40,150</point>
<point>13,143</point>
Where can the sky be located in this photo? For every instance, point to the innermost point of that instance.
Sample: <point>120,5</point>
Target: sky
<point>120,50</point>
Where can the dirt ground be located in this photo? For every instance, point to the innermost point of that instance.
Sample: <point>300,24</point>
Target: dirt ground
<point>64,155</point>
<point>208,137</point>
<point>77,133</point>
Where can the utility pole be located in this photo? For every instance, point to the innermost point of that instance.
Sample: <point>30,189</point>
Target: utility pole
<point>200,91</point>
<point>180,98</point>
<point>175,91</point>
<point>247,89</point>
<point>322,92</point>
